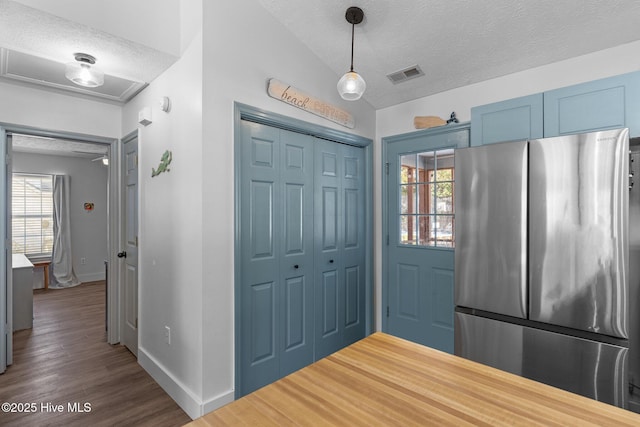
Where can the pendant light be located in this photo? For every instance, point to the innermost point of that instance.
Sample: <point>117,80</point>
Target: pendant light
<point>351,86</point>
<point>83,72</point>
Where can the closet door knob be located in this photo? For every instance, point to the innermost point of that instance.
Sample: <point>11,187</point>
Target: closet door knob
<point>296,266</point>
<point>330,261</point>
<point>122,254</point>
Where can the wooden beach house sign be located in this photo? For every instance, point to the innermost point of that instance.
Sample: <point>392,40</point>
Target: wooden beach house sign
<point>292,96</point>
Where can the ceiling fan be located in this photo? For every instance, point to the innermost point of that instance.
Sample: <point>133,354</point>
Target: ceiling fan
<point>105,160</point>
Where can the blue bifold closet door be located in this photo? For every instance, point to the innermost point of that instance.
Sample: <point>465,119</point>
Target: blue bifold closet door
<point>286,313</point>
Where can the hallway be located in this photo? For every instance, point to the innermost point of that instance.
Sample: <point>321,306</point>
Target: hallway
<point>65,360</point>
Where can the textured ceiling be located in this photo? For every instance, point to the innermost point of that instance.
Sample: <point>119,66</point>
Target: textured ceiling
<point>58,147</point>
<point>31,31</point>
<point>455,42</point>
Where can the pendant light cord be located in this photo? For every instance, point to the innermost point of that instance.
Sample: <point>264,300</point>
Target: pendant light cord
<point>353,26</point>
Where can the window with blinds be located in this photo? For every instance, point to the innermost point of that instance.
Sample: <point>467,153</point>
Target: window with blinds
<point>32,214</point>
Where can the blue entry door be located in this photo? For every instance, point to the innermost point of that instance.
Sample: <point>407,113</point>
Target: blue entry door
<point>276,227</point>
<point>419,259</point>
<point>339,246</point>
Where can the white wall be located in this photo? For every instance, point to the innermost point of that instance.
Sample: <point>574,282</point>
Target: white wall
<point>28,106</point>
<point>88,183</point>
<point>190,22</point>
<point>170,230</point>
<point>398,119</point>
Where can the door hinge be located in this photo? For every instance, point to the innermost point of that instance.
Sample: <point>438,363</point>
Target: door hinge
<point>386,166</point>
<point>387,240</point>
<point>136,323</point>
<point>136,241</point>
<point>135,159</point>
<point>387,311</point>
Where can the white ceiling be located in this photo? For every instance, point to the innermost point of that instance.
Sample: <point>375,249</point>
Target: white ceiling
<point>36,40</point>
<point>57,147</point>
<point>454,42</point>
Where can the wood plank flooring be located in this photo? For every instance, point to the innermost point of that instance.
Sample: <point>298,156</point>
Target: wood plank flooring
<point>65,359</point>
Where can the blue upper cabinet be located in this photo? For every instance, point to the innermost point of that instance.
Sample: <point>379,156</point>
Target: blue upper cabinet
<point>512,120</point>
<point>598,105</point>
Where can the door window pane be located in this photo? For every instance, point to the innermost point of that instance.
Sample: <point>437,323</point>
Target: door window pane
<point>426,198</point>
<point>407,169</point>
<point>444,198</point>
<point>408,199</point>
<point>407,230</point>
<point>444,231</point>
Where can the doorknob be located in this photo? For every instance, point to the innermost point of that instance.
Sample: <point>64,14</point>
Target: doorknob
<point>330,261</point>
<point>296,266</point>
<point>122,254</point>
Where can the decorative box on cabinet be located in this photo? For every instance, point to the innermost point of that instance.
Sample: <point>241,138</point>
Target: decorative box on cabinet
<point>602,104</point>
<point>511,120</point>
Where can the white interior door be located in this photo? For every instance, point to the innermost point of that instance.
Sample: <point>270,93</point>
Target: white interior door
<point>6,294</point>
<point>130,254</point>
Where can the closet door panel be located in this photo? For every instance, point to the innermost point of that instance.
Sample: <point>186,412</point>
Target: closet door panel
<point>353,244</point>
<point>296,258</point>
<point>259,336</point>
<point>328,241</point>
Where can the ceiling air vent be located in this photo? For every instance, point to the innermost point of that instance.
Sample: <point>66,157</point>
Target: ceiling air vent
<point>406,74</point>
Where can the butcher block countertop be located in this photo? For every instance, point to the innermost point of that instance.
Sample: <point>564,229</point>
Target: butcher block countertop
<point>384,380</point>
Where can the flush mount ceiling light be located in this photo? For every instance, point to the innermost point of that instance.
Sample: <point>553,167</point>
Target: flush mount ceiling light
<point>83,72</point>
<point>351,86</point>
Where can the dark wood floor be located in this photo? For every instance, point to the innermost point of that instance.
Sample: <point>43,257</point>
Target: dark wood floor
<point>65,359</point>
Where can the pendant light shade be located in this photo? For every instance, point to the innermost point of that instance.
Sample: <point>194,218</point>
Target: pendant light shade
<point>83,72</point>
<point>351,86</point>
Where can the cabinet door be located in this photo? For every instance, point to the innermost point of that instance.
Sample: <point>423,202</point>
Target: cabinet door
<point>511,120</point>
<point>599,105</point>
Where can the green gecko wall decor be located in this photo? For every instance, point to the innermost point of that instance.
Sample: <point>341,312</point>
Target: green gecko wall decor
<point>165,160</point>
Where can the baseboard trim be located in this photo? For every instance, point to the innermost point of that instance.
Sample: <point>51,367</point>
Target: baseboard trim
<point>217,402</point>
<point>184,397</point>
<point>91,277</point>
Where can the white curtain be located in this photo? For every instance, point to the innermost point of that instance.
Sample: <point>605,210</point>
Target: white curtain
<point>61,263</point>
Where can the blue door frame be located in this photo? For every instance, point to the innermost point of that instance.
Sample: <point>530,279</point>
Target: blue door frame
<point>249,113</point>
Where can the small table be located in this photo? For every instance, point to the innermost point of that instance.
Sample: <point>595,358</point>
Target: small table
<point>45,265</point>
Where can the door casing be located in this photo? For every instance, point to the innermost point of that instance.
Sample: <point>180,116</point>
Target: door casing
<point>114,214</point>
<point>253,114</point>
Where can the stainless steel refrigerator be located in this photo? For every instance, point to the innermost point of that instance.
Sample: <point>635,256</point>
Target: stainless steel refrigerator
<point>544,284</point>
